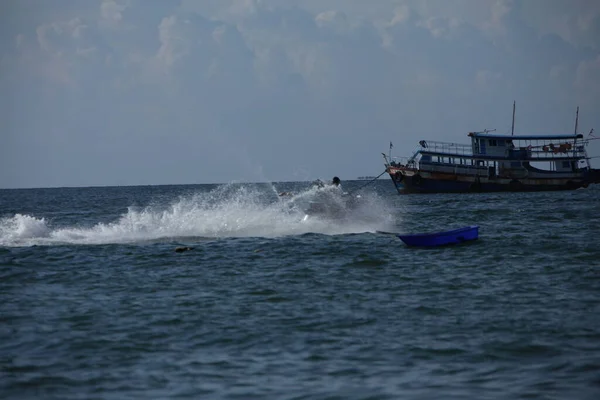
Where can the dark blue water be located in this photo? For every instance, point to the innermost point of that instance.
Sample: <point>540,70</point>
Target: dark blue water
<point>96,304</point>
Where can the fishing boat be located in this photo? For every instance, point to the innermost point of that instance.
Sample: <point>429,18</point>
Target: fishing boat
<point>496,163</point>
<point>445,238</point>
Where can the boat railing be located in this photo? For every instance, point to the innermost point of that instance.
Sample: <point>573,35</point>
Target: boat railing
<point>538,152</point>
<point>474,170</point>
<point>446,147</point>
<point>541,153</point>
<point>401,161</point>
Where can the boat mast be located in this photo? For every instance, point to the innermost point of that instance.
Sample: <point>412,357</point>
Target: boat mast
<point>512,131</point>
<point>575,140</point>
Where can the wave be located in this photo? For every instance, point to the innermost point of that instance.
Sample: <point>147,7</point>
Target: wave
<point>226,211</point>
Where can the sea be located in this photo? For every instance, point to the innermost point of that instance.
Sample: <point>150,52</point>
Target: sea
<point>264,301</point>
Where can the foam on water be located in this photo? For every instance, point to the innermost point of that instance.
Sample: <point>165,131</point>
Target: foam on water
<point>227,211</point>
<point>22,227</point>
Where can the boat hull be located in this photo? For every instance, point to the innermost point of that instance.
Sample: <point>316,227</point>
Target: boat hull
<point>415,181</point>
<point>446,238</point>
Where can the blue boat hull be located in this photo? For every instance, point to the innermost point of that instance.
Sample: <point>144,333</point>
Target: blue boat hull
<point>435,239</point>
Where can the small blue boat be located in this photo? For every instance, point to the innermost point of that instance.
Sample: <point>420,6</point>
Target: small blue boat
<point>434,239</point>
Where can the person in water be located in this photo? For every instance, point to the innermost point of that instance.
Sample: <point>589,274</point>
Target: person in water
<point>319,184</point>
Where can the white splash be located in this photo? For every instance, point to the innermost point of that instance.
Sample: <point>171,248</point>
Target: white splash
<point>227,211</point>
<point>22,227</point>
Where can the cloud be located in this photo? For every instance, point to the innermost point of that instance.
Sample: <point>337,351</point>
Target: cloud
<point>60,38</point>
<point>334,20</point>
<point>576,22</point>
<point>401,15</point>
<point>499,11</point>
<point>112,11</point>
<point>172,45</point>
<point>587,81</point>
<point>439,26</point>
<point>280,86</point>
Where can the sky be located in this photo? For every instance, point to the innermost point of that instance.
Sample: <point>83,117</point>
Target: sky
<point>143,92</point>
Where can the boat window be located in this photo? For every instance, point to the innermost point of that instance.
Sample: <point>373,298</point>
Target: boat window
<point>493,142</point>
<point>501,142</point>
<point>426,158</point>
<point>566,164</point>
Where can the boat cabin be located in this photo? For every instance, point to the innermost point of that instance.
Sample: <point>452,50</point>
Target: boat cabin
<point>561,152</point>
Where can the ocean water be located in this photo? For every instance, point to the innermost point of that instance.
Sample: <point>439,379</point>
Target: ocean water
<point>271,304</point>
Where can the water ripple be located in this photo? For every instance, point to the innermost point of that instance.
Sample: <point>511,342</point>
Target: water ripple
<point>354,315</point>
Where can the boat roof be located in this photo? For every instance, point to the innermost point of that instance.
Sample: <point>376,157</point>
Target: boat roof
<point>525,137</point>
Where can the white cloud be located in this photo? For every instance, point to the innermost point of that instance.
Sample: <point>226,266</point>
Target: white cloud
<point>575,21</point>
<point>439,26</point>
<point>284,81</point>
<point>173,43</point>
<point>335,20</point>
<point>111,11</point>
<point>499,11</point>
<point>401,15</point>
<point>62,37</point>
<point>43,32</point>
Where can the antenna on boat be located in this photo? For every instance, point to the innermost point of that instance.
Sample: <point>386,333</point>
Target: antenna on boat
<point>512,131</point>
<point>576,119</point>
